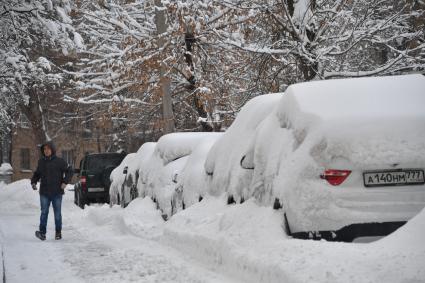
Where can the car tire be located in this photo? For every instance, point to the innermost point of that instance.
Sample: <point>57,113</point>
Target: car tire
<point>118,199</point>
<point>107,198</point>
<point>81,200</point>
<point>286,225</point>
<point>75,196</point>
<point>133,193</point>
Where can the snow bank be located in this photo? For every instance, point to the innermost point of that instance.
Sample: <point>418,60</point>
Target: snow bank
<point>18,194</point>
<point>223,160</point>
<point>247,241</point>
<point>6,169</point>
<point>140,218</point>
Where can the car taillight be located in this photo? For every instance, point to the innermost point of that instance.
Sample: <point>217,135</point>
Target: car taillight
<point>83,182</point>
<point>335,177</point>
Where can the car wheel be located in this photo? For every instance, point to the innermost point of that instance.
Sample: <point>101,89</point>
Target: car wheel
<point>75,196</point>
<point>133,193</point>
<point>107,198</point>
<point>286,225</point>
<point>122,196</point>
<point>81,201</point>
<point>117,197</point>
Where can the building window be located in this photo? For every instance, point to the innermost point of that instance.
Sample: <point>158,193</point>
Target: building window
<point>24,122</point>
<point>69,157</point>
<point>25,159</point>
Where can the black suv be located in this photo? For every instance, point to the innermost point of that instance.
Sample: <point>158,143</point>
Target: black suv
<point>94,182</point>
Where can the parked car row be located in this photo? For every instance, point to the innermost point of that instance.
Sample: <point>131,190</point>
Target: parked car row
<point>342,159</point>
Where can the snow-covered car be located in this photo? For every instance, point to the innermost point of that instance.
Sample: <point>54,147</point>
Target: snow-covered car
<point>192,180</point>
<point>118,177</point>
<point>223,160</point>
<point>159,173</point>
<point>125,177</point>
<point>343,158</point>
<point>289,152</point>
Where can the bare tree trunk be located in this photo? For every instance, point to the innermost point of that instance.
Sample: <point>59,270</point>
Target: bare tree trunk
<point>34,113</point>
<point>167,105</point>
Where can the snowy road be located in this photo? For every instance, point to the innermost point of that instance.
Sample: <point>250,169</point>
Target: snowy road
<point>97,246</point>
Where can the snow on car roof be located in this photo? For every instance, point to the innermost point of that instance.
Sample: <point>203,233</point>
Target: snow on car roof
<point>371,97</point>
<point>176,145</point>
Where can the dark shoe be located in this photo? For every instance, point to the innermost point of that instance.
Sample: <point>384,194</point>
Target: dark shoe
<point>40,235</point>
<point>58,236</point>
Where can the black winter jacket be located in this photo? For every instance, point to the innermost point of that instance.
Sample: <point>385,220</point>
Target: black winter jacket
<point>52,171</point>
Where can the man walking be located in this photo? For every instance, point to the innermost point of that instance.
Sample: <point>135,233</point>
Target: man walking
<point>54,173</point>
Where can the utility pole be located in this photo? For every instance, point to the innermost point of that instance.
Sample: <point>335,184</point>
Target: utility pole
<point>164,81</point>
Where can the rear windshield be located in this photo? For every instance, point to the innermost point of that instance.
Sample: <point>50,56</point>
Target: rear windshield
<point>100,162</point>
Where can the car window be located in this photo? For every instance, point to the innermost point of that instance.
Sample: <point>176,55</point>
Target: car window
<point>99,162</point>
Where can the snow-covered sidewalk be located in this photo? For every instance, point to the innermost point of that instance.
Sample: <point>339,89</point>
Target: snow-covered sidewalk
<point>99,244</point>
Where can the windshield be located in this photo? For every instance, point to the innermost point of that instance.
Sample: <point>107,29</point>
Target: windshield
<point>99,162</point>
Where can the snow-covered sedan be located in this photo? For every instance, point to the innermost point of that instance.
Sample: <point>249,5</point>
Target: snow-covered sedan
<point>159,174</point>
<point>344,158</point>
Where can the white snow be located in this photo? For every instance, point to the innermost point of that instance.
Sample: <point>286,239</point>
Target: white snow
<point>349,99</point>
<point>248,241</point>
<point>6,169</point>
<point>78,40</point>
<point>99,243</point>
<point>215,243</point>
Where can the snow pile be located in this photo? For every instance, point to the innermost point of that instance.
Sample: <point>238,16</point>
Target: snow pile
<point>6,169</point>
<point>18,194</point>
<point>140,218</point>
<point>223,160</point>
<point>247,241</point>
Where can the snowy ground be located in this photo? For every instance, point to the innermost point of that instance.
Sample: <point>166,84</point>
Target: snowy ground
<point>99,244</point>
<point>208,242</point>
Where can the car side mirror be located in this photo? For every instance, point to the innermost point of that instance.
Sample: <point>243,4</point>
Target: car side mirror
<point>125,170</point>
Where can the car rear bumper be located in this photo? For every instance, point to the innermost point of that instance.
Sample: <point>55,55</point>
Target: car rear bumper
<point>352,231</point>
<point>93,196</point>
<point>333,209</point>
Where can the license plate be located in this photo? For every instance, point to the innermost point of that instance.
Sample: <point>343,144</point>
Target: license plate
<point>401,177</point>
<point>92,190</point>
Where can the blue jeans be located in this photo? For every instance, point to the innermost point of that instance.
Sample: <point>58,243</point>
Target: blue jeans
<point>45,201</point>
